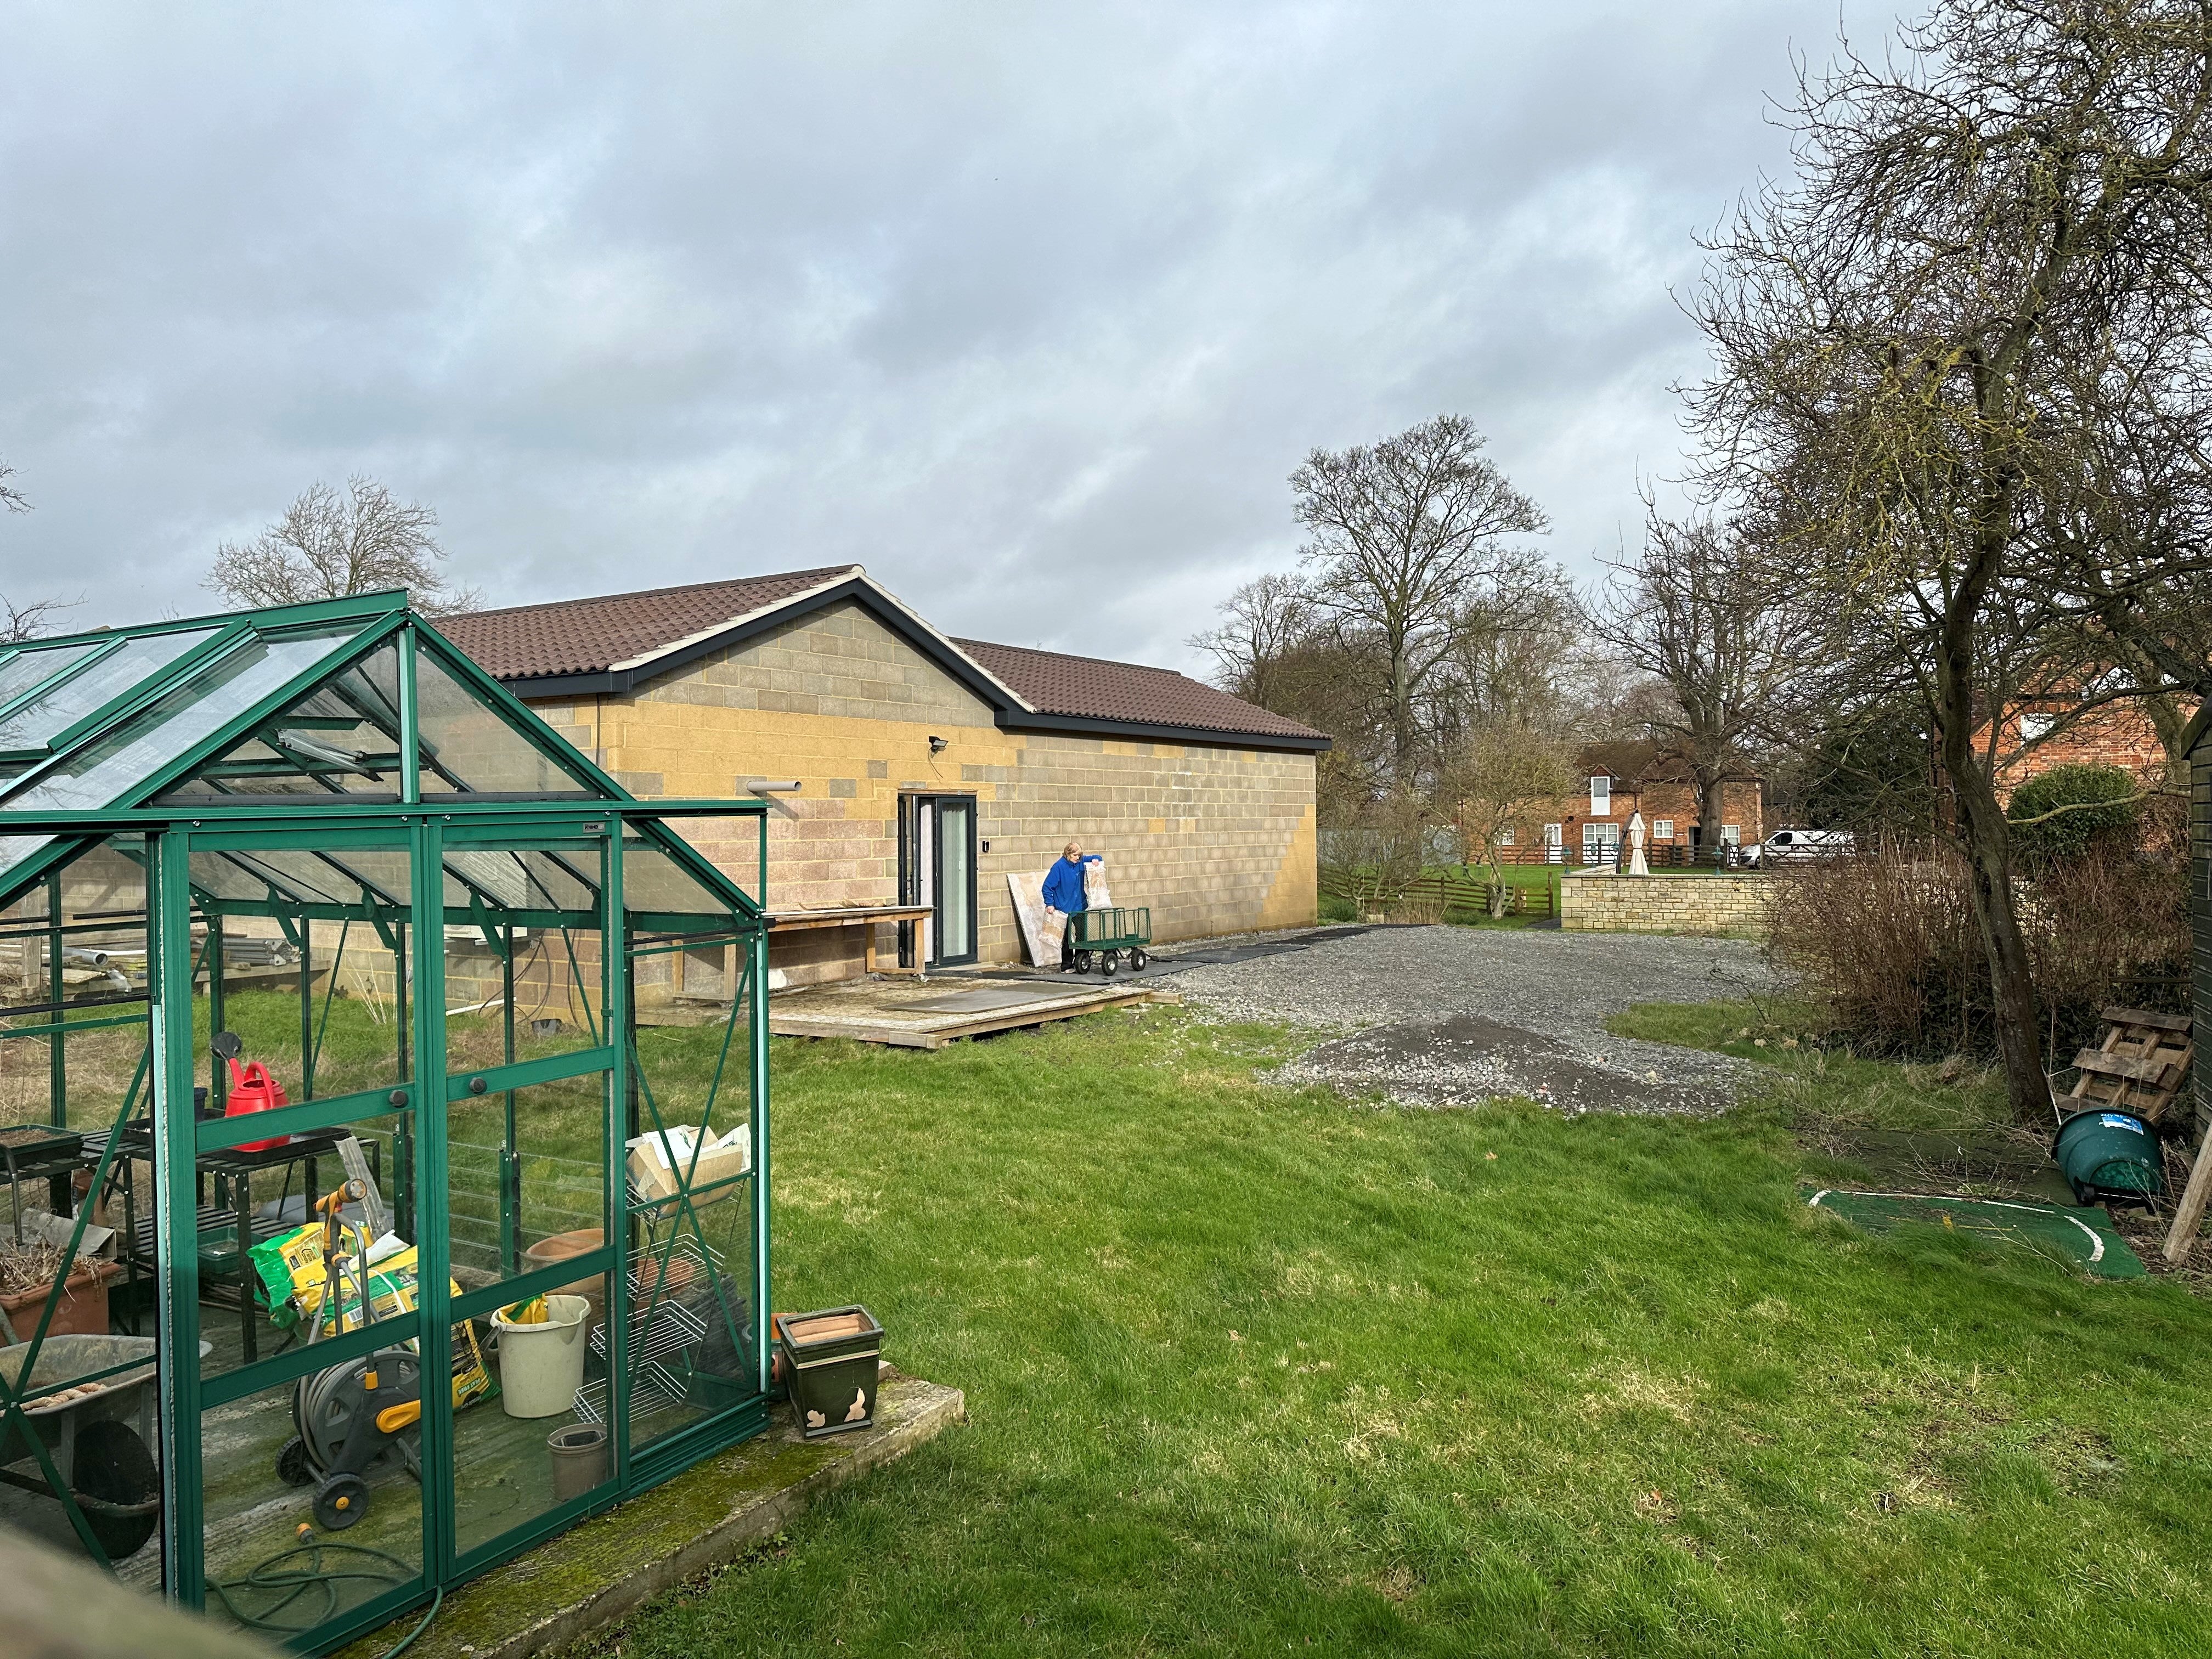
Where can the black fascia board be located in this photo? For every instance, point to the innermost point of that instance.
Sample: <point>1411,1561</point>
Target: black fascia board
<point>620,682</point>
<point>1086,725</point>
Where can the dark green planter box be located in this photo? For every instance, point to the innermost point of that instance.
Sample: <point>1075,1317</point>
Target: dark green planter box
<point>829,1365</point>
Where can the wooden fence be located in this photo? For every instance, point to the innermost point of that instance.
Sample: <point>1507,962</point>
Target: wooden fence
<point>1447,891</point>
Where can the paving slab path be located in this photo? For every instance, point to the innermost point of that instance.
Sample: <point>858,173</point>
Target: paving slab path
<point>1446,1015</point>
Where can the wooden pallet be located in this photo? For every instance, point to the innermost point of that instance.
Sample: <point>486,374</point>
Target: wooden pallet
<point>2138,1067</point>
<point>930,1014</point>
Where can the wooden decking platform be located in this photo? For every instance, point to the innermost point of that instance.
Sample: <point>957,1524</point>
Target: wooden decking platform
<point>930,1013</point>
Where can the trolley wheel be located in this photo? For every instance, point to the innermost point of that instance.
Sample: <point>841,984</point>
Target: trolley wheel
<point>1083,960</point>
<point>340,1501</point>
<point>1137,960</point>
<point>1112,965</point>
<point>293,1468</point>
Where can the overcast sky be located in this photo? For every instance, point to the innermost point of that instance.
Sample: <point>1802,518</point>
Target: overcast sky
<point>1029,309</point>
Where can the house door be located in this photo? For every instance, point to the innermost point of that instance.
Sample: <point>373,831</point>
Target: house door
<point>937,867</point>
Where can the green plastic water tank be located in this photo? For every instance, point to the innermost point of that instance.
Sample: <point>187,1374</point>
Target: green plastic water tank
<point>2108,1155</point>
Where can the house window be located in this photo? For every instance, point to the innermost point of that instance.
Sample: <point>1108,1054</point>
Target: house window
<point>1601,795</point>
<point>1662,829</point>
<point>1601,843</point>
<point>2034,728</point>
<point>1732,834</point>
<point>1505,836</point>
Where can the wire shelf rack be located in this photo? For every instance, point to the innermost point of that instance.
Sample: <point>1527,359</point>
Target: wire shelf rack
<point>653,1388</point>
<point>666,1328</point>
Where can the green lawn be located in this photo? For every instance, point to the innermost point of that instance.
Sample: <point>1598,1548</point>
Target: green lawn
<point>1257,1371</point>
<point>1334,908</point>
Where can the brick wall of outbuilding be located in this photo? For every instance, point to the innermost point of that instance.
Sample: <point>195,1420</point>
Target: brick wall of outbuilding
<point>1215,839</point>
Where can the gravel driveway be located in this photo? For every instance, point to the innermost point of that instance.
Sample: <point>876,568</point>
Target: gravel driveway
<point>1455,1016</point>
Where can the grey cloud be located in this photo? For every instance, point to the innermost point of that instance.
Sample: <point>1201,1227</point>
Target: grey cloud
<point>1031,310</point>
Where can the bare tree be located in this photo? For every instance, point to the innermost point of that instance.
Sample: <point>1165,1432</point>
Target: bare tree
<point>1407,536</point>
<point>1499,773</point>
<point>1521,658</point>
<point>1734,644</point>
<point>328,545</point>
<point>1263,625</point>
<point>1375,855</point>
<point>19,622</point>
<point>1992,252</point>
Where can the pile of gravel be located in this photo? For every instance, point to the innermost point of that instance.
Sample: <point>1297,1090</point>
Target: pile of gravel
<point>1455,1015</point>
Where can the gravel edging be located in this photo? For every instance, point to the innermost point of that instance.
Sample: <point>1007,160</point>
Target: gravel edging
<point>1443,1016</point>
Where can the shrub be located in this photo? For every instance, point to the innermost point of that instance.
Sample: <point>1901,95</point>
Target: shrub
<point>2064,812</point>
<point>1889,944</point>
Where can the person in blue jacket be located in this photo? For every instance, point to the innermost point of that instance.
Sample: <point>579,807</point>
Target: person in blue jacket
<point>1063,896</point>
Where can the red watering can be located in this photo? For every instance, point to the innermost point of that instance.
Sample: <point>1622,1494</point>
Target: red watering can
<point>252,1089</point>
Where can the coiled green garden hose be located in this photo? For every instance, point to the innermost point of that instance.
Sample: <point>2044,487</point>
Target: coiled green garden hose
<point>288,1584</point>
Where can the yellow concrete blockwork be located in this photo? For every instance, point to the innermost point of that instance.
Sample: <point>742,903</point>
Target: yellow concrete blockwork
<point>1720,904</point>
<point>1215,840</point>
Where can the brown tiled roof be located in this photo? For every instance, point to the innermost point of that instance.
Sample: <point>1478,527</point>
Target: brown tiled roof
<point>593,636</point>
<point>1089,687</point>
<point>589,636</point>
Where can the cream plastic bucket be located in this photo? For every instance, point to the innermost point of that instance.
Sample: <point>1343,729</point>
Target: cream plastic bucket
<point>541,1366</point>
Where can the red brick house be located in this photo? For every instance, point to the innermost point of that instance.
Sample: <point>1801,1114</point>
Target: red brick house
<point>1641,776</point>
<point>2040,733</point>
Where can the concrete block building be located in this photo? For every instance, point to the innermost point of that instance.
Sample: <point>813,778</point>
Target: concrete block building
<point>928,767</point>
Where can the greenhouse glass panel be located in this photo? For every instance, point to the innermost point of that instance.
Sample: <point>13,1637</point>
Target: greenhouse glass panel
<point>339,743</point>
<point>25,669</point>
<point>467,746</point>
<point>100,683</point>
<point>262,1575</point>
<point>300,1198</point>
<point>136,753</point>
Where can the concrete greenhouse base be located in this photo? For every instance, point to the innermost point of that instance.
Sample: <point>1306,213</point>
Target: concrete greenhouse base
<point>572,1585</point>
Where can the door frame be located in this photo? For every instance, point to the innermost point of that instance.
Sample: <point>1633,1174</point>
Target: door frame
<point>608,1059</point>
<point>909,876</point>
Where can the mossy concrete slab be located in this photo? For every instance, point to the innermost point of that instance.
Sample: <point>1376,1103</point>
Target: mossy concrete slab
<point>592,1574</point>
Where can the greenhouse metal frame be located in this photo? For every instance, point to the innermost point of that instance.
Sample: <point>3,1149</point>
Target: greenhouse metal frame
<point>323,833</point>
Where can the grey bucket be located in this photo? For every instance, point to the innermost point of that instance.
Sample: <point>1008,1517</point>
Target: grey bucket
<point>579,1459</point>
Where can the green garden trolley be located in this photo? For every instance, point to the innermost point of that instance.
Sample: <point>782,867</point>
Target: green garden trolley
<point>1102,938</point>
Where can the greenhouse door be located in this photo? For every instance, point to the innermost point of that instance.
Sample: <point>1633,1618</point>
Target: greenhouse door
<point>527,1147</point>
<point>298,947</point>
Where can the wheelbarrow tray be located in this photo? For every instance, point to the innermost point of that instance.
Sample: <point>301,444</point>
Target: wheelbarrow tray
<point>125,1398</point>
<point>1119,927</point>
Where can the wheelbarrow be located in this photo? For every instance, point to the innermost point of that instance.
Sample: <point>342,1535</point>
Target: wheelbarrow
<point>1103,938</point>
<point>99,1434</point>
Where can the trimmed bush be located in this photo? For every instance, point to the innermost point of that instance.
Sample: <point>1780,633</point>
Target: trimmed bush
<point>2064,812</point>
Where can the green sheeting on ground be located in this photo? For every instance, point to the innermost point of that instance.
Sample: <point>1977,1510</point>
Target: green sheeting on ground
<point>2086,1238</point>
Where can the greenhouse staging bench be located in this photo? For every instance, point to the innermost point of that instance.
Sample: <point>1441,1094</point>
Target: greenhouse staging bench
<point>586,1578</point>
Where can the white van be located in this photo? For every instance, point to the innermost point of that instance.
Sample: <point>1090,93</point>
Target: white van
<point>1786,844</point>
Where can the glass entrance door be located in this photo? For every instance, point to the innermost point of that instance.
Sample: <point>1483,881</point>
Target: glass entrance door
<point>937,865</point>
<point>954,934</point>
<point>527,1145</point>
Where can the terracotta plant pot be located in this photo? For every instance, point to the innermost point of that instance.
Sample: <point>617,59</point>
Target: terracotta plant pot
<point>82,1312</point>
<point>546,1252</point>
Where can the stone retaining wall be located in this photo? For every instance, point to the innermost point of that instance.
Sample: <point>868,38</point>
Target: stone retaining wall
<point>1734,904</point>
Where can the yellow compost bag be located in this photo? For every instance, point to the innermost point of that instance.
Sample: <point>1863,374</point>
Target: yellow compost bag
<point>393,1289</point>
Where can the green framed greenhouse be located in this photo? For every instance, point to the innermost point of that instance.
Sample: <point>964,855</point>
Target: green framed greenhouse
<point>354,1031</point>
